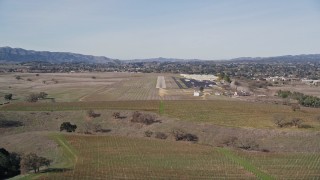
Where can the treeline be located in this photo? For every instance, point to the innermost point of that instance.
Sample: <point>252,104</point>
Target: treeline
<point>304,100</point>
<point>225,77</point>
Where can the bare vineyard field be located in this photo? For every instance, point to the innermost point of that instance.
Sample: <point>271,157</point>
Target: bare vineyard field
<point>107,157</point>
<point>286,166</point>
<point>98,157</point>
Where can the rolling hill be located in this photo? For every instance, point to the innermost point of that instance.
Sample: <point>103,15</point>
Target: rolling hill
<point>22,55</point>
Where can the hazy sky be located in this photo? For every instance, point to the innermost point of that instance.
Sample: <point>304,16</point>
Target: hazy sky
<point>128,29</point>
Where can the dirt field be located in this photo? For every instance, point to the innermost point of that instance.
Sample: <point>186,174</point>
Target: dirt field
<point>63,87</point>
<point>72,87</point>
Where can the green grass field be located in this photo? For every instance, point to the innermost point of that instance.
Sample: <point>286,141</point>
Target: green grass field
<point>237,113</point>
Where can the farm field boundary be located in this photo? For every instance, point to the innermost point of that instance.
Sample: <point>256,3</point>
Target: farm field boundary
<point>245,164</point>
<point>61,106</point>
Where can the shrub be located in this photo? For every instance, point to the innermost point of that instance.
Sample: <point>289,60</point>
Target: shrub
<point>8,97</point>
<point>296,121</point>
<point>32,97</point>
<point>18,77</point>
<point>248,144</point>
<point>117,115</point>
<point>284,94</point>
<point>147,119</point>
<point>89,128</point>
<point>29,79</point>
<point>148,133</point>
<point>92,114</point>
<point>279,120</point>
<point>97,128</point>
<point>295,107</point>
<point>230,141</point>
<point>68,127</point>
<point>42,95</point>
<point>191,137</point>
<point>182,136</point>
<point>287,124</point>
<point>161,135</point>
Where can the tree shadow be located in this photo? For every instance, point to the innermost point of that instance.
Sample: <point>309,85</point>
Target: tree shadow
<point>55,170</point>
<point>51,99</point>
<point>94,115</point>
<point>104,130</point>
<point>8,124</point>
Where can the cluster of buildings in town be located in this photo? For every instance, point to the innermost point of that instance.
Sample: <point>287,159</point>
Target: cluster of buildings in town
<point>304,80</point>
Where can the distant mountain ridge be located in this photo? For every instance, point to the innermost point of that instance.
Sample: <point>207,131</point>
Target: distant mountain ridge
<point>286,58</point>
<point>161,59</point>
<point>22,55</point>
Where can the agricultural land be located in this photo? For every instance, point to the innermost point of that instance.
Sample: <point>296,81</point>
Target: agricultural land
<point>152,126</point>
